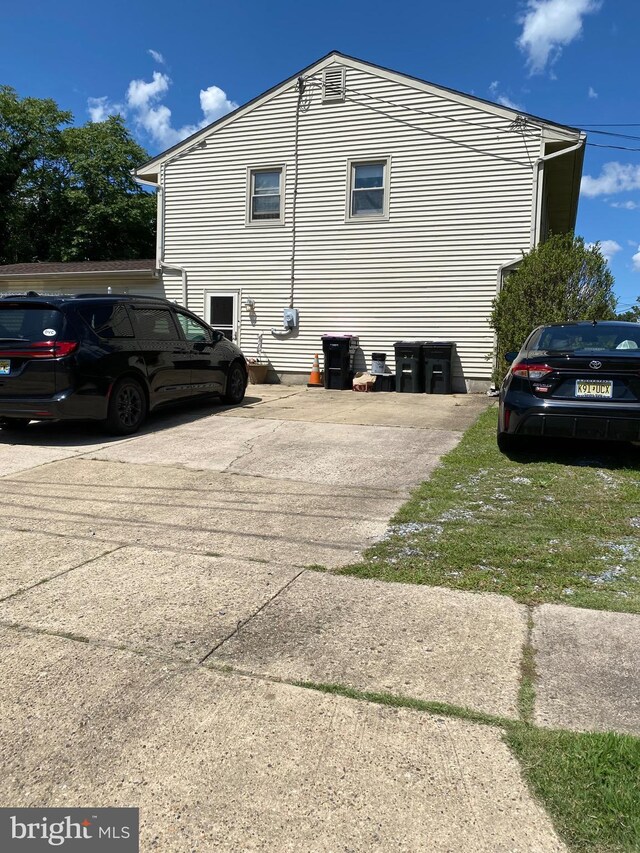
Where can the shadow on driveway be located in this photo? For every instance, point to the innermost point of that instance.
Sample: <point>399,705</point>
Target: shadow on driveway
<point>73,434</point>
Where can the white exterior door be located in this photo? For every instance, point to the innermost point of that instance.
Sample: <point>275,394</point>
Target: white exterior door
<point>222,312</point>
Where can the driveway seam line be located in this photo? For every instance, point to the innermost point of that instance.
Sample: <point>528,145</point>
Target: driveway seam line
<point>62,573</point>
<point>97,642</point>
<point>243,622</point>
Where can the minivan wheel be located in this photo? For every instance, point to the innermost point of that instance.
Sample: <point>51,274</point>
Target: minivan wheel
<point>13,423</point>
<point>127,407</point>
<point>236,384</point>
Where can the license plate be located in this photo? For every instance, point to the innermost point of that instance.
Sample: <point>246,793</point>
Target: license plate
<point>594,388</point>
<point>5,367</point>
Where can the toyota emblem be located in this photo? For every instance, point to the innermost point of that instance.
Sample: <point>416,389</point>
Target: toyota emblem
<point>596,365</point>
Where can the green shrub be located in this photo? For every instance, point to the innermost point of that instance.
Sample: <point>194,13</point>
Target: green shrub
<point>560,280</point>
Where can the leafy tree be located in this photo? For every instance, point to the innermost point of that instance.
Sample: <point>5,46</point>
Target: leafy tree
<point>561,280</point>
<point>632,315</point>
<point>112,216</point>
<point>30,170</point>
<point>66,193</point>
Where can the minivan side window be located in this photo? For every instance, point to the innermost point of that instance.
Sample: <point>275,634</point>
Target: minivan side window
<point>107,320</point>
<point>193,330</point>
<point>155,324</point>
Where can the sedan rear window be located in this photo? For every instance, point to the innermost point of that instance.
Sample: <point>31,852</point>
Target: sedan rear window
<point>597,338</point>
<point>29,323</point>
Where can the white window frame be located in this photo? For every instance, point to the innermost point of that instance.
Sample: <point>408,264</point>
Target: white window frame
<point>352,162</point>
<point>251,171</point>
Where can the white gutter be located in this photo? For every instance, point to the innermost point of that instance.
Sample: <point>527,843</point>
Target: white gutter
<point>537,207</point>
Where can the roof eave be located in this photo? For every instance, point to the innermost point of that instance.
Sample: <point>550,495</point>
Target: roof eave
<point>37,276</point>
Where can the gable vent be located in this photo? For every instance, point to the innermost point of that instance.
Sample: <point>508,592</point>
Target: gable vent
<point>333,84</point>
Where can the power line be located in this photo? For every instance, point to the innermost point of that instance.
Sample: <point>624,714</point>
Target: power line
<point>486,153</point>
<point>609,133</point>
<point>614,147</point>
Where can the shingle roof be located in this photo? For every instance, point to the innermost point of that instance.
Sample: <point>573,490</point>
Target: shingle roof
<point>47,268</point>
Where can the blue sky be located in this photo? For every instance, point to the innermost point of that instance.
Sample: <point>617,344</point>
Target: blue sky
<point>170,67</point>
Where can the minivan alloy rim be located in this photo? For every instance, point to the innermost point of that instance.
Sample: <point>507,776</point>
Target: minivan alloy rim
<point>129,405</point>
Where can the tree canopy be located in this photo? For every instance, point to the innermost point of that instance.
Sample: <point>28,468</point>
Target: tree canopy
<point>561,280</point>
<point>66,192</point>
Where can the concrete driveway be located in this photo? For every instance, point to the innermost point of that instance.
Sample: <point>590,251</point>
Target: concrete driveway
<point>157,611</point>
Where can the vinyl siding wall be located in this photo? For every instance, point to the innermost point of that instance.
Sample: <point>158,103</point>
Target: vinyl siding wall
<point>460,205</point>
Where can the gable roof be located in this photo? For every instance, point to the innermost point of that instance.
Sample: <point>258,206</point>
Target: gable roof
<point>149,170</point>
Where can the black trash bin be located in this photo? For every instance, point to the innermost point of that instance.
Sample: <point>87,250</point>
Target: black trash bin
<point>339,352</point>
<point>409,367</point>
<point>437,356</point>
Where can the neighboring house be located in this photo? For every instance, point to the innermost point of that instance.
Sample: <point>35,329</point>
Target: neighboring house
<point>82,277</point>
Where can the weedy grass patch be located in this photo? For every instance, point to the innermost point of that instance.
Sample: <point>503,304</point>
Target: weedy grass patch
<point>558,523</point>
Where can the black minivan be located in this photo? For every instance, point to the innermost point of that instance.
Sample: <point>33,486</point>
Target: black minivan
<point>108,358</point>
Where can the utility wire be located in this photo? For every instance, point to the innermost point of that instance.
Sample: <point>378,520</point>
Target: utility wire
<point>521,127</point>
<point>399,120</point>
<point>614,147</point>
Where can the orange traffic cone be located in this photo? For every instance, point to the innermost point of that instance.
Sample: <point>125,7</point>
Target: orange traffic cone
<point>315,380</point>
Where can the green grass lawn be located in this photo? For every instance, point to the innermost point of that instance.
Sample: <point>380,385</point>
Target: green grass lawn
<point>556,524</point>
<point>588,783</point>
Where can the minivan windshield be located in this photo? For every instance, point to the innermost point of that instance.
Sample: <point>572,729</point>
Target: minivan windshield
<point>29,323</point>
<point>598,338</point>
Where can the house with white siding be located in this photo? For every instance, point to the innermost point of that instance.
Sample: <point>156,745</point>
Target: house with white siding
<point>373,203</point>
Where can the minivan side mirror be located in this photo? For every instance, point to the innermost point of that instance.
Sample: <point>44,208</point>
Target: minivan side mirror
<point>510,357</point>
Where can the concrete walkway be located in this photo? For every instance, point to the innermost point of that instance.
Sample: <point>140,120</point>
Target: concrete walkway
<point>157,608</point>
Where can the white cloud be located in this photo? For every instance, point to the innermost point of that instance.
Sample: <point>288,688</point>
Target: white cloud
<point>624,205</point>
<point>614,178</point>
<point>141,94</point>
<point>550,25</point>
<point>100,109</point>
<point>494,90</point>
<point>145,108</point>
<point>592,92</point>
<point>143,101</point>
<point>635,260</point>
<point>609,248</point>
<point>215,104</point>
<point>156,56</point>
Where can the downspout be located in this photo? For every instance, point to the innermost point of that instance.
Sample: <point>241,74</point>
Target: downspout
<point>160,264</point>
<point>536,212</point>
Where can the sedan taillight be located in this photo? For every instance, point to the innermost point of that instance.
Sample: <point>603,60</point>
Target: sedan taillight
<point>531,371</point>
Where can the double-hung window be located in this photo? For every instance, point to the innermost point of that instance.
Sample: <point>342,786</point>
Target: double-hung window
<point>368,189</point>
<point>265,196</point>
